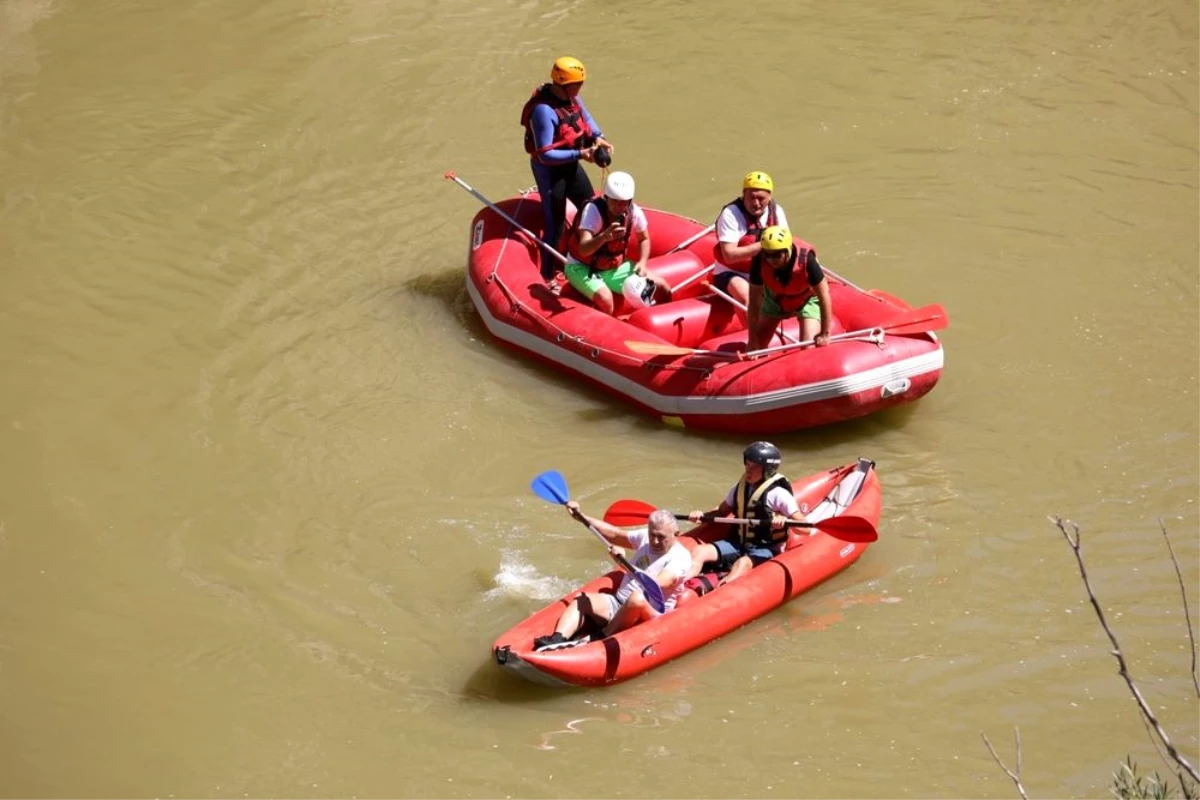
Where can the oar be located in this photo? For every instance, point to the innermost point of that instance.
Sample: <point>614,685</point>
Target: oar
<point>552,487</point>
<point>450,176</point>
<point>661,349</point>
<point>925,319</point>
<point>846,528</point>
<point>692,239</point>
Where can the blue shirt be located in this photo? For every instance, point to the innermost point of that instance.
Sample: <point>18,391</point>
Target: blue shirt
<point>545,124</point>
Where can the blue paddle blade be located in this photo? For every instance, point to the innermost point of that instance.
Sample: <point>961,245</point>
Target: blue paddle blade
<point>551,486</point>
<point>652,590</point>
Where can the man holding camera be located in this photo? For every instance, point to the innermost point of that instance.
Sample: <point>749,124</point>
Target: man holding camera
<point>599,241</point>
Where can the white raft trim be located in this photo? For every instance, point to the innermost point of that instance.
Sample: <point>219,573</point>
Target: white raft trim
<point>794,396</point>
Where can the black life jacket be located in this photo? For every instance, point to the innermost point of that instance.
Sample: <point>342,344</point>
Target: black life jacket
<point>752,504</point>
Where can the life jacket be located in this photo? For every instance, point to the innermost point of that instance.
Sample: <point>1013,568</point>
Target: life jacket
<point>793,290</point>
<point>703,583</point>
<point>754,232</point>
<point>572,131</point>
<point>752,504</point>
<point>609,255</point>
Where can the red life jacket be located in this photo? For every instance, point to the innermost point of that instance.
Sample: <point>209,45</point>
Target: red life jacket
<point>754,232</point>
<point>609,255</point>
<point>793,290</point>
<point>572,131</point>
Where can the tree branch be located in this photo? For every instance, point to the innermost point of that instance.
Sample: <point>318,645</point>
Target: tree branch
<point>1187,616</point>
<point>1073,539</point>
<point>1016,776</point>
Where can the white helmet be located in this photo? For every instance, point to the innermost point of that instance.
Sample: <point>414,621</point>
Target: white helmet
<point>619,186</point>
<point>638,292</point>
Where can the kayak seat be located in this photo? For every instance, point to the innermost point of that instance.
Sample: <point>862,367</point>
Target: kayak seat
<point>687,322</point>
<point>840,497</point>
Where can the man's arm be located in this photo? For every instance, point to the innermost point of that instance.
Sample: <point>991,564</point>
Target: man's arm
<point>643,252</point>
<point>545,124</point>
<point>611,533</point>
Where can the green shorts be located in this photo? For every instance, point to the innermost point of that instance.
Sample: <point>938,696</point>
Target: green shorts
<point>578,275</point>
<point>810,310</point>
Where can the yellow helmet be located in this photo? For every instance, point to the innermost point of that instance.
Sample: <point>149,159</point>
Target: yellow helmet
<point>758,180</point>
<point>568,70</point>
<point>776,238</point>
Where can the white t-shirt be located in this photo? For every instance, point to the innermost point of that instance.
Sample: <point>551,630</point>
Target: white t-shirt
<point>592,223</point>
<point>731,226</point>
<point>779,500</point>
<point>677,560</point>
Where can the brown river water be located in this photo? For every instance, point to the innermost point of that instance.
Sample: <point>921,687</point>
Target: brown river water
<point>264,481</point>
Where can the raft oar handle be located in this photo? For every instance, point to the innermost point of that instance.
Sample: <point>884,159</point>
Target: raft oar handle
<point>691,240</point>
<point>450,176</point>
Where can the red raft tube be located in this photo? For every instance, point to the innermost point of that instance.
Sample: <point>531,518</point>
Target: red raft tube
<point>809,558</point>
<point>678,360</point>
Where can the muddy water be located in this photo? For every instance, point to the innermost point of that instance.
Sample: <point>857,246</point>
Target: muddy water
<point>263,491</point>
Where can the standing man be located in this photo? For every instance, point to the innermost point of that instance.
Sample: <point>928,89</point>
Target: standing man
<point>560,133</point>
<point>739,227</point>
<point>787,280</point>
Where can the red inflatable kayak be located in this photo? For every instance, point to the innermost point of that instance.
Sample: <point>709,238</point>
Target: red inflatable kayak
<point>678,360</point>
<point>809,559</point>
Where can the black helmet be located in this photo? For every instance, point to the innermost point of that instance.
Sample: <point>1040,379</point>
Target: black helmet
<point>766,455</point>
<point>602,157</point>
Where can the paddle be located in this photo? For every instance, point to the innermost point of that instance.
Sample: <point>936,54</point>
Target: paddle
<point>450,176</point>
<point>659,349</point>
<point>925,319</point>
<point>846,528</point>
<point>552,487</point>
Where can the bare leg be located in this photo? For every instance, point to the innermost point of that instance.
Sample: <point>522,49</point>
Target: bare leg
<point>739,568</point>
<point>739,289</point>
<point>809,328</point>
<point>760,336</point>
<point>630,614</point>
<point>589,605</point>
<point>603,300</point>
<point>701,555</point>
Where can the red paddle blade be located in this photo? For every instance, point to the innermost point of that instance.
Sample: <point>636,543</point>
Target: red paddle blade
<point>626,513</point>
<point>848,529</point>
<point>925,319</point>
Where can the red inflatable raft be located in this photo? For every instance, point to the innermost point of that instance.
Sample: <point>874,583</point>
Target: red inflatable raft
<point>678,360</point>
<point>809,559</point>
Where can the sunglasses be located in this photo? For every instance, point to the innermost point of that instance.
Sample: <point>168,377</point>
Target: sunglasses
<point>775,255</point>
